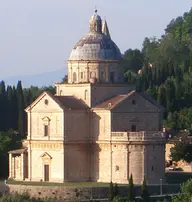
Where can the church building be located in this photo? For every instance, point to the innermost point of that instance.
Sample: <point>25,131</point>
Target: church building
<point>96,127</point>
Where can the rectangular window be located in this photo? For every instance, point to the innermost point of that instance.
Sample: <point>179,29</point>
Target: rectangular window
<point>112,77</point>
<point>46,130</point>
<point>81,75</point>
<point>133,128</point>
<point>102,75</point>
<point>133,102</point>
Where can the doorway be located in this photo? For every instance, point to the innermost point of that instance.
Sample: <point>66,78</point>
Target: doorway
<point>46,173</point>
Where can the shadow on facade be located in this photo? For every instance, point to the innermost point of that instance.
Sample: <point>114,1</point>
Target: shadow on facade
<point>94,147</point>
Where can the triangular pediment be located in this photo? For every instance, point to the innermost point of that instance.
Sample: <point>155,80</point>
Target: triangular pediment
<point>46,156</point>
<point>131,102</point>
<point>136,102</point>
<point>46,99</point>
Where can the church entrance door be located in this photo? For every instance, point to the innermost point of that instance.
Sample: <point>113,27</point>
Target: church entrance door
<point>46,173</point>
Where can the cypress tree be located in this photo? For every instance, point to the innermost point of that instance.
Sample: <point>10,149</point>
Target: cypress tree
<point>10,109</point>
<point>14,103</point>
<point>144,192</point>
<point>116,191</point>
<point>111,192</point>
<point>161,96</point>
<point>3,107</point>
<point>131,196</point>
<point>21,115</point>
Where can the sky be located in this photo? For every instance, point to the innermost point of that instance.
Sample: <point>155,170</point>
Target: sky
<point>36,36</point>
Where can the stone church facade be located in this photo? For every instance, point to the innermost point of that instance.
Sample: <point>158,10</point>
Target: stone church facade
<point>96,127</point>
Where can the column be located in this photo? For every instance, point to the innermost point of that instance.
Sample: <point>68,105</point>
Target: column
<point>10,166</point>
<point>22,167</point>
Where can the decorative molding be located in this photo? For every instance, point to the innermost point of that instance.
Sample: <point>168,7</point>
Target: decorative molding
<point>37,145</point>
<point>46,155</point>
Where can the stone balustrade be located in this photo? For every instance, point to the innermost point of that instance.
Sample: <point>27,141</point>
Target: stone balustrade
<point>137,136</point>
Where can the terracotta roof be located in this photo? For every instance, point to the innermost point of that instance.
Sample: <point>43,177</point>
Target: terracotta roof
<point>70,102</point>
<point>18,151</point>
<point>111,103</point>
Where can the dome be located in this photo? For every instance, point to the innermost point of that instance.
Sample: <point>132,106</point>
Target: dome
<point>96,17</point>
<point>97,44</point>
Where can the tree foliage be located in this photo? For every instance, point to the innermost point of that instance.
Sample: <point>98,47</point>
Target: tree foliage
<point>111,192</point>
<point>182,151</point>
<point>165,69</point>
<point>144,192</point>
<point>131,195</point>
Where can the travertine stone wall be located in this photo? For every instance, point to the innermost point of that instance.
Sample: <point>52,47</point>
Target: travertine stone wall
<point>136,163</point>
<point>122,121</point>
<point>104,163</point>
<point>49,153</point>
<point>155,153</point>
<point>42,113</point>
<point>81,91</point>
<point>60,192</point>
<point>120,163</point>
<point>83,71</point>
<point>93,94</point>
<point>76,164</point>
<point>143,114</point>
<point>103,92</point>
<point>77,125</point>
<point>101,125</point>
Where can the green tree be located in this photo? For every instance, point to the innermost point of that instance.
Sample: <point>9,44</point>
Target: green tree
<point>3,106</point>
<point>9,140</point>
<point>144,192</point>
<point>161,96</point>
<point>133,60</point>
<point>115,190</point>
<point>186,193</point>
<point>111,192</point>
<point>21,115</point>
<point>182,151</point>
<point>131,196</point>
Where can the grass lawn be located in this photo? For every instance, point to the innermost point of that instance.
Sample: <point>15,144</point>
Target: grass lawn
<point>172,177</point>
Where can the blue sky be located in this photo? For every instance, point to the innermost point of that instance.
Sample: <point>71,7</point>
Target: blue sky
<point>36,36</point>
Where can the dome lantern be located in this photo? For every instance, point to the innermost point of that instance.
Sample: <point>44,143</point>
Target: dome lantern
<point>95,23</point>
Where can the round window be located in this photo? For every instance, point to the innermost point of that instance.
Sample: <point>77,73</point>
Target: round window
<point>46,101</point>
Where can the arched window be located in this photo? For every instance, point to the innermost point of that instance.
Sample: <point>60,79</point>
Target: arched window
<point>85,95</point>
<point>61,92</point>
<point>81,75</point>
<point>46,126</point>
<point>74,77</point>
